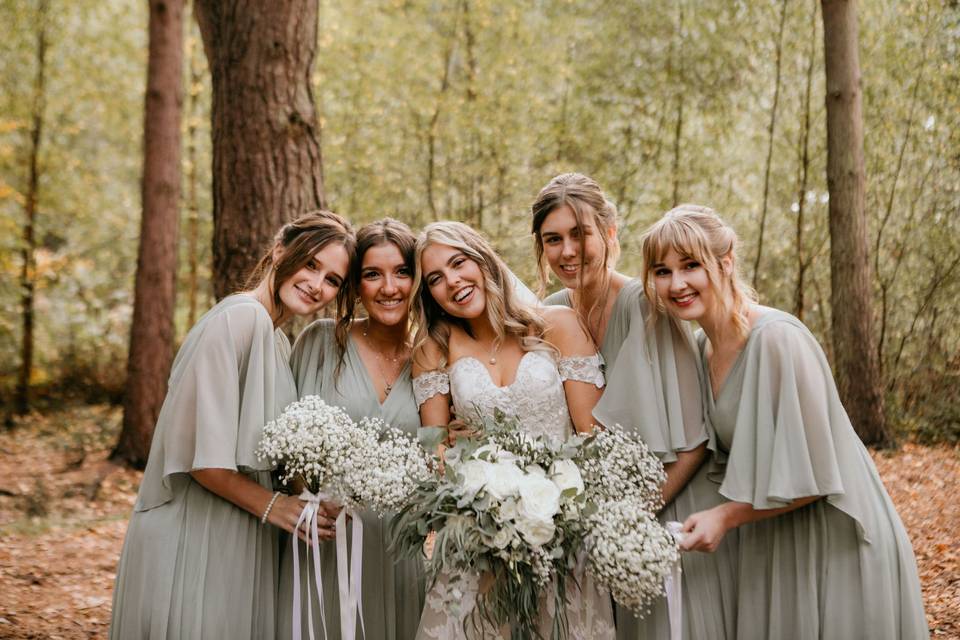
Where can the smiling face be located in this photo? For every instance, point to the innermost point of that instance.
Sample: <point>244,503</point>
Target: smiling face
<point>684,287</point>
<point>454,280</point>
<point>317,282</point>
<point>385,284</point>
<point>567,253</point>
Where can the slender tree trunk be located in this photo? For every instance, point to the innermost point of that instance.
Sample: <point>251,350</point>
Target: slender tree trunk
<point>803,170</point>
<point>152,330</point>
<point>678,127</point>
<point>771,131</point>
<point>433,126</point>
<point>858,372</point>
<point>27,269</point>
<point>267,164</point>
<point>193,207</point>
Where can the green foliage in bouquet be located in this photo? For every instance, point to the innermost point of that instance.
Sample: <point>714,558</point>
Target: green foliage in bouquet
<point>518,510</point>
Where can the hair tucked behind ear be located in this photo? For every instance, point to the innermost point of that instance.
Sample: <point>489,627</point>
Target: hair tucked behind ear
<point>587,201</point>
<point>506,314</point>
<point>298,241</point>
<point>698,233</point>
<point>374,234</point>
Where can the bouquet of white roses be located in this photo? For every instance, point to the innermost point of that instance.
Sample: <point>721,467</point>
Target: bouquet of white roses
<point>522,511</point>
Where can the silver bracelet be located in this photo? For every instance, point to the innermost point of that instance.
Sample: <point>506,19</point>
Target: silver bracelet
<point>266,512</point>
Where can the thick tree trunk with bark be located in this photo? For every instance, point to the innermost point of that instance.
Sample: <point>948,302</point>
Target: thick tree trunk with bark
<point>27,269</point>
<point>151,333</point>
<point>267,166</point>
<point>851,300</point>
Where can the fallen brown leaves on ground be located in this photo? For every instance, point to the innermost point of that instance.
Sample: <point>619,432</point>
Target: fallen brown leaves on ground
<point>64,510</point>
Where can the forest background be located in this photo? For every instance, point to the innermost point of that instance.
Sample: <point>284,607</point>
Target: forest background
<point>425,110</point>
<point>431,110</point>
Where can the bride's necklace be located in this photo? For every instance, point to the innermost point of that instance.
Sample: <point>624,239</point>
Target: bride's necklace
<point>494,350</point>
<point>387,385</point>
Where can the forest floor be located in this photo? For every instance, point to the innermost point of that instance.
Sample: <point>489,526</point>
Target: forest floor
<point>64,510</point>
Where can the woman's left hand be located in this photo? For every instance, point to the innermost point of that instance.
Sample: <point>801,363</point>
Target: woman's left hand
<point>704,530</point>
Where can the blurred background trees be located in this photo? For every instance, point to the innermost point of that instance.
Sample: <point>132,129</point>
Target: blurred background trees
<point>464,109</point>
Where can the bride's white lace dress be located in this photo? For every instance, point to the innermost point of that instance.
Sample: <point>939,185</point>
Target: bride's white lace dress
<point>536,398</point>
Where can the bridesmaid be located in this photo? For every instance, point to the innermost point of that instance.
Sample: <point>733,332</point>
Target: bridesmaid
<point>198,561</point>
<point>823,553</point>
<point>652,386</point>
<point>363,365</point>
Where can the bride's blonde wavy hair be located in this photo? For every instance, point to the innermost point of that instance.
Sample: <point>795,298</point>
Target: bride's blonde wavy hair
<point>698,233</point>
<point>506,313</point>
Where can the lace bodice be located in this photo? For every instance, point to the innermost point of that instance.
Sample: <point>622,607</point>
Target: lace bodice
<point>535,397</point>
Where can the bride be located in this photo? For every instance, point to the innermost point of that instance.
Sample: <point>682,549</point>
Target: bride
<point>477,349</point>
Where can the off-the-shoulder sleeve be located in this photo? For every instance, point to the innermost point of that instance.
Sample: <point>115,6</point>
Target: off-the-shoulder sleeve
<point>793,438</point>
<point>429,384</point>
<point>653,386</point>
<point>222,390</point>
<point>582,369</point>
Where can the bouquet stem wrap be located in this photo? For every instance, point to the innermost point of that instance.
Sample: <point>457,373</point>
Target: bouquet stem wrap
<point>349,570</point>
<point>672,586</point>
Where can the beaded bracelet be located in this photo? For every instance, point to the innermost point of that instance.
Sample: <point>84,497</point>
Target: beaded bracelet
<point>266,512</point>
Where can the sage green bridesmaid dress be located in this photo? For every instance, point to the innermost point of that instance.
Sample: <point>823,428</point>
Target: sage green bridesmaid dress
<point>653,387</point>
<point>392,590</point>
<point>842,567</point>
<point>194,565</point>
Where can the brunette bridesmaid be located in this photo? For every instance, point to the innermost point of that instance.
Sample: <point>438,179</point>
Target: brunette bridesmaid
<point>363,365</point>
<point>653,387</point>
<point>200,556</point>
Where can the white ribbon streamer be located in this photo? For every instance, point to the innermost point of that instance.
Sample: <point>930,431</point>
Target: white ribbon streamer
<point>349,570</point>
<point>672,586</point>
<point>309,515</point>
<point>348,579</point>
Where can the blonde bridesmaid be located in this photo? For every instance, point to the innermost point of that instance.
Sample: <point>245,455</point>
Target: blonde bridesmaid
<point>822,551</point>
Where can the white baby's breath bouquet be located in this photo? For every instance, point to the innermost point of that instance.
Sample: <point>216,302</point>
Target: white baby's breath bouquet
<point>365,464</point>
<point>361,465</point>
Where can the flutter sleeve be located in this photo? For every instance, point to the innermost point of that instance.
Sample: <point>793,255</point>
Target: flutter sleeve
<point>653,386</point>
<point>429,384</point>
<point>793,438</point>
<point>222,390</point>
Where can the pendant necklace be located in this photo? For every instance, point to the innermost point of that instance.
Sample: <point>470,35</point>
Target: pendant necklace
<point>494,350</point>
<point>387,386</point>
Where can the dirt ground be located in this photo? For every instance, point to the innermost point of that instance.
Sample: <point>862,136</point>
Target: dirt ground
<point>63,512</point>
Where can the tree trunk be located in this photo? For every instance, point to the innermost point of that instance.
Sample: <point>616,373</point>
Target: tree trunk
<point>151,333</point>
<point>858,373</point>
<point>193,208</point>
<point>27,270</point>
<point>771,131</point>
<point>803,170</point>
<point>267,166</point>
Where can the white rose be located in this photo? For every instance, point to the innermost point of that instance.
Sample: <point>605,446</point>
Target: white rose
<point>539,498</point>
<point>473,474</point>
<point>503,479</point>
<point>536,532</point>
<point>566,475</point>
<point>508,510</point>
<point>501,540</point>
